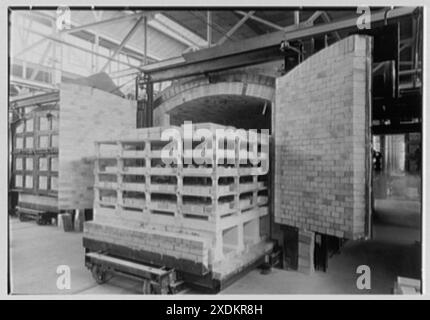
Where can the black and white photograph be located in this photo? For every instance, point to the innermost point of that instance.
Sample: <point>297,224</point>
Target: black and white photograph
<point>226,151</point>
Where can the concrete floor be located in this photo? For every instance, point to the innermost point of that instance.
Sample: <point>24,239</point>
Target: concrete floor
<point>386,257</point>
<point>398,212</point>
<point>37,251</point>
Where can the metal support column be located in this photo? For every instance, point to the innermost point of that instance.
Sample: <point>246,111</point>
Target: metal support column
<point>149,104</point>
<point>209,28</point>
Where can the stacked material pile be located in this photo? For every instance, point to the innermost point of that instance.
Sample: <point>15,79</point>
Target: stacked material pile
<point>405,285</point>
<point>176,210</point>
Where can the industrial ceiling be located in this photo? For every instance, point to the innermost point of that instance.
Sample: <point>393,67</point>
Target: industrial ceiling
<point>120,42</point>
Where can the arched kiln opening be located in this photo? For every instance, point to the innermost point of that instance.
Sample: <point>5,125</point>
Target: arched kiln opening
<point>233,110</point>
<point>239,99</point>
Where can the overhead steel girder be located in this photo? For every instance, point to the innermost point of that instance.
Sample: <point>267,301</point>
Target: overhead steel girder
<point>55,39</point>
<point>124,42</point>
<point>108,21</point>
<point>20,102</point>
<point>127,50</point>
<point>235,27</point>
<point>251,51</point>
<point>220,64</point>
<point>263,21</point>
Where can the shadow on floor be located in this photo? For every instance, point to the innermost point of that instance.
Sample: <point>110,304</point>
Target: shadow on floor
<point>403,213</point>
<point>394,250</point>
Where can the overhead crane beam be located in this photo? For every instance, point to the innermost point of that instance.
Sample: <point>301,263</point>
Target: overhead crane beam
<point>254,50</point>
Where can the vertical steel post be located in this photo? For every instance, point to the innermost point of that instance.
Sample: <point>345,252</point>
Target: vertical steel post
<point>209,28</point>
<point>149,103</point>
<point>145,47</point>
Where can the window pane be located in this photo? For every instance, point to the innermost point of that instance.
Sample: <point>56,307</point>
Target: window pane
<point>43,142</point>
<point>29,164</point>
<point>54,183</point>
<point>18,164</point>
<point>54,123</point>
<point>20,127</point>
<point>43,164</point>
<point>29,143</point>
<point>54,141</point>
<point>44,123</point>
<point>19,143</point>
<point>54,164</point>
<point>29,182</point>
<point>18,181</point>
<point>29,125</point>
<point>43,182</point>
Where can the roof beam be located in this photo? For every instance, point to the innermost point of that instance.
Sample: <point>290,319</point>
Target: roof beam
<point>123,73</point>
<point>31,83</point>
<point>176,31</point>
<point>104,22</point>
<point>209,27</point>
<point>263,21</point>
<point>80,48</point>
<point>132,50</point>
<point>310,21</point>
<point>124,42</point>
<point>219,64</point>
<point>235,27</point>
<point>22,102</point>
<point>132,71</point>
<point>145,44</point>
<point>97,15</point>
<point>41,61</point>
<point>204,60</point>
<point>307,23</point>
<point>31,46</point>
<point>327,18</point>
<point>296,17</point>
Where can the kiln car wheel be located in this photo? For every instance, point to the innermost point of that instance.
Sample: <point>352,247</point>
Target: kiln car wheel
<point>147,287</point>
<point>98,274</point>
<point>39,220</point>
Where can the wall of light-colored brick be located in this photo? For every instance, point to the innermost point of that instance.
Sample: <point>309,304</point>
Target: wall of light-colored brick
<point>180,246</point>
<point>86,115</point>
<point>320,141</point>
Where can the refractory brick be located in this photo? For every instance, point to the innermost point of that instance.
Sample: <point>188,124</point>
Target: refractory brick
<point>320,141</point>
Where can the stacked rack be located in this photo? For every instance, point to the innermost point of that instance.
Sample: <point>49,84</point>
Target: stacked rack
<point>35,163</point>
<point>222,205</point>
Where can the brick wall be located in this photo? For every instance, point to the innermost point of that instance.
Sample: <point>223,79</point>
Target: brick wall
<point>179,246</point>
<point>86,115</point>
<point>321,131</point>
